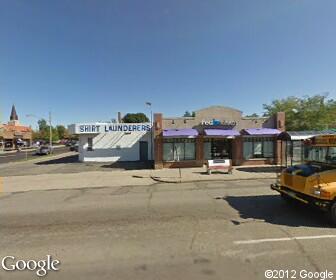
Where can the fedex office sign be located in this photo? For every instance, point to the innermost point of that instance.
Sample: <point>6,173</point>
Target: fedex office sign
<point>218,122</point>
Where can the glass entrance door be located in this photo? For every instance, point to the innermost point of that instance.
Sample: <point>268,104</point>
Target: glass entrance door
<point>217,148</point>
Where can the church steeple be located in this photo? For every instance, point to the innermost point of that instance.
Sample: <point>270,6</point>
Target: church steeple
<point>14,116</point>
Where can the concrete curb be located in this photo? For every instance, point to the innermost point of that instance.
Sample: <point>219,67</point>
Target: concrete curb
<point>179,181</point>
<point>158,179</point>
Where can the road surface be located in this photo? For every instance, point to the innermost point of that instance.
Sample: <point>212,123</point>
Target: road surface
<point>16,156</point>
<point>209,230</point>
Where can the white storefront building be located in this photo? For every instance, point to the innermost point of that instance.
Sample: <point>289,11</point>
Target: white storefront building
<point>112,142</point>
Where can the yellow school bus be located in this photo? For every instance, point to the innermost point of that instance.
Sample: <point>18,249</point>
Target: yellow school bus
<point>314,181</point>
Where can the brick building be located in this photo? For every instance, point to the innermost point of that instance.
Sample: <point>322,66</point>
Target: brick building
<point>217,132</point>
<point>13,134</point>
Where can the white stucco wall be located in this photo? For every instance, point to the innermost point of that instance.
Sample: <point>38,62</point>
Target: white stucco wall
<point>113,146</point>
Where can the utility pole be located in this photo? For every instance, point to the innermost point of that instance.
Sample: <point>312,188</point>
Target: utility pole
<point>50,127</point>
<point>149,104</point>
<point>50,133</point>
<point>151,112</point>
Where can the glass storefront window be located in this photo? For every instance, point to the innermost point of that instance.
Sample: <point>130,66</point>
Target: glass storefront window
<point>268,149</point>
<point>189,151</point>
<point>294,152</point>
<point>258,147</point>
<point>168,152</point>
<point>207,150</point>
<point>248,150</point>
<point>179,149</point>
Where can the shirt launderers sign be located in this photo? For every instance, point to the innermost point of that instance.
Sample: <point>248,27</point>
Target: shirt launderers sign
<point>112,127</point>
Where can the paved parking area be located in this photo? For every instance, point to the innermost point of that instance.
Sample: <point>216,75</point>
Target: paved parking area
<point>201,230</point>
<point>14,156</point>
<point>62,164</point>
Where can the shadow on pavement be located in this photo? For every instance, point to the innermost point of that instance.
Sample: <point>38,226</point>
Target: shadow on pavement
<point>261,169</point>
<point>272,209</point>
<point>130,165</point>
<point>62,160</point>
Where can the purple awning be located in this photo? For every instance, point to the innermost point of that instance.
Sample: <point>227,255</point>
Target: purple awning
<point>262,131</point>
<point>183,132</point>
<point>221,132</point>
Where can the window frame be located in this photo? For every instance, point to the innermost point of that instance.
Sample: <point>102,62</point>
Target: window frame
<point>90,145</point>
<point>258,140</point>
<point>184,141</point>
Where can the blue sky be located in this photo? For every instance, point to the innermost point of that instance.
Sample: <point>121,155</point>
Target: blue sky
<point>87,60</point>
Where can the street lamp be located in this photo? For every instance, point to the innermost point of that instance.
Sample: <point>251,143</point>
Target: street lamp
<point>149,104</point>
<point>50,127</point>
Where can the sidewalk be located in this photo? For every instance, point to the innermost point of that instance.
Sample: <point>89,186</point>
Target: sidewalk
<point>92,179</point>
<point>122,178</point>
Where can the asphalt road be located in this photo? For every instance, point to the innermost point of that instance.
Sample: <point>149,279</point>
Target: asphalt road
<point>16,156</point>
<point>212,230</point>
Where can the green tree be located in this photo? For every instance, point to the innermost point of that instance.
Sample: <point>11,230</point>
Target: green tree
<point>62,132</point>
<point>135,118</point>
<point>36,135</point>
<point>42,124</point>
<point>55,136</point>
<point>188,114</point>
<point>44,131</point>
<point>307,113</point>
<point>254,115</point>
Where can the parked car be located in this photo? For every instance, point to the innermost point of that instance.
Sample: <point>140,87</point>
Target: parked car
<point>38,143</point>
<point>8,146</point>
<point>44,150</point>
<point>74,146</point>
<point>68,143</point>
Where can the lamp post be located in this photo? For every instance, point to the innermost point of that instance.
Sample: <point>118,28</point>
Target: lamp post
<point>149,104</point>
<point>50,127</point>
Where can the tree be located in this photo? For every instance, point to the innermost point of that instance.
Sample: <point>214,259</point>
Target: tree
<point>36,135</point>
<point>135,118</point>
<point>62,132</point>
<point>307,113</point>
<point>55,136</point>
<point>42,124</point>
<point>188,114</point>
<point>254,115</point>
<point>44,132</point>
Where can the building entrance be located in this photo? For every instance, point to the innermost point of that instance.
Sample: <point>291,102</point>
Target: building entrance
<point>217,148</point>
<point>143,151</point>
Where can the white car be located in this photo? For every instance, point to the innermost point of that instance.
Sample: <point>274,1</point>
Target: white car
<point>44,150</point>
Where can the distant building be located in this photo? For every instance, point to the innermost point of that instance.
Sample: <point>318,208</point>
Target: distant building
<point>13,134</point>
